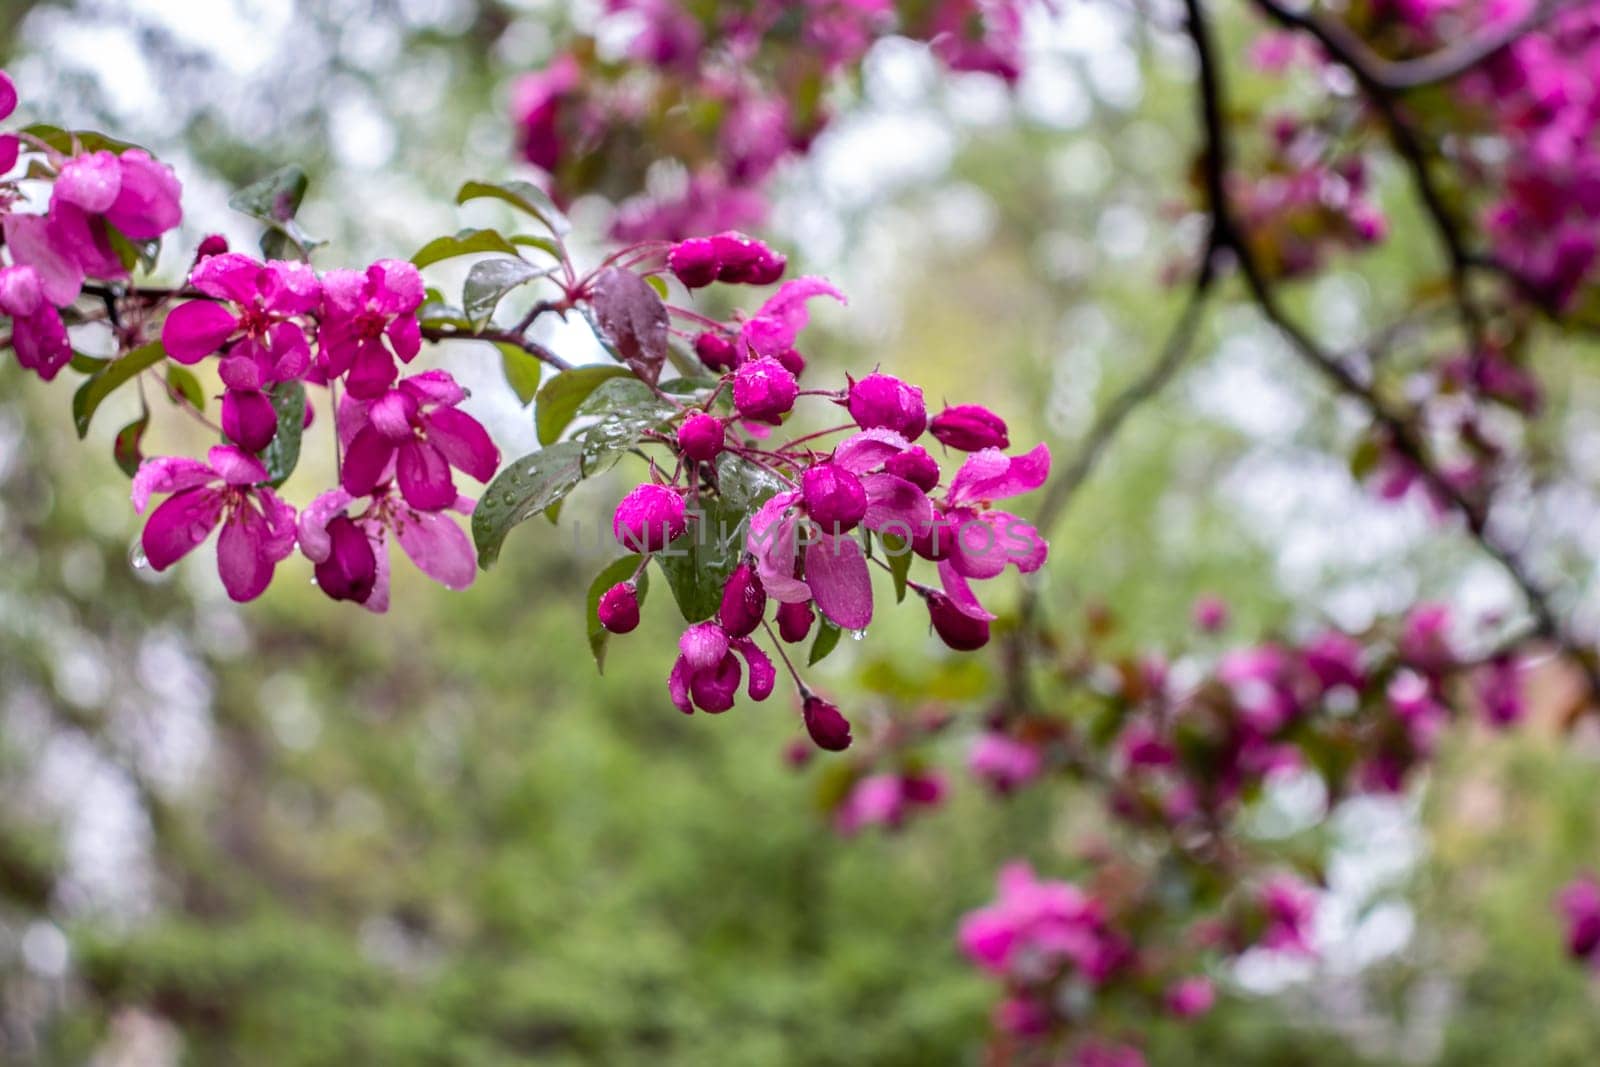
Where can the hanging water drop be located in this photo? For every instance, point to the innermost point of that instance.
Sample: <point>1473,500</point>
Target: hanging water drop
<point>136,557</point>
<point>856,635</point>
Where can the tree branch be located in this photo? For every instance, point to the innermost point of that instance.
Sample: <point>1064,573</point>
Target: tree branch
<point>1407,441</point>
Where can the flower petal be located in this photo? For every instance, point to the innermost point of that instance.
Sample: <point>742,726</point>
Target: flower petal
<point>869,449</point>
<point>895,506</point>
<point>464,442</point>
<point>1020,541</point>
<point>196,329</point>
<point>167,474</point>
<point>837,573</point>
<point>29,240</point>
<point>678,686</point>
<point>992,475</point>
<point>180,523</point>
<point>242,558</point>
<point>90,181</point>
<point>703,645</point>
<point>366,462</point>
<point>423,475</point>
<point>960,593</point>
<point>313,524</point>
<point>439,548</point>
<point>763,675</point>
<point>229,276</point>
<point>236,467</point>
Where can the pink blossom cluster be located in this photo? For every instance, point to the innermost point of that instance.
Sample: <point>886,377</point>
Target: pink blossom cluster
<point>1055,946</point>
<point>104,205</point>
<point>735,88</point>
<point>275,324</point>
<point>804,551</point>
<point>1308,198</point>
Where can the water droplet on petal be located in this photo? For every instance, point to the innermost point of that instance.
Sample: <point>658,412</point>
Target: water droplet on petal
<point>136,557</point>
<point>856,635</point>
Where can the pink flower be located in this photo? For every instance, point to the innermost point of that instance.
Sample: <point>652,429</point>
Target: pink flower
<point>1038,927</point>
<point>351,552</point>
<point>706,673</point>
<point>1335,659</point>
<point>8,96</point>
<point>1500,690</point>
<point>415,435</point>
<point>133,192</point>
<point>536,104</point>
<point>253,316</point>
<point>986,539</point>
<point>887,800</point>
<point>1002,762</point>
<point>360,313</point>
<point>1190,998</point>
<point>1425,638</point>
<point>37,332</point>
<point>1579,904</point>
<point>1210,613</point>
<point>773,329</point>
<point>257,527</point>
<point>1289,906</point>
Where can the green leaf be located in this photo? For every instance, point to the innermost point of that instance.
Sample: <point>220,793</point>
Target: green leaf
<point>561,396</point>
<point>543,244</point>
<point>522,370</point>
<point>627,409</point>
<point>687,386</point>
<point>827,640</point>
<point>125,449</point>
<point>282,454</point>
<point>524,196</point>
<point>634,320</point>
<point>619,570</point>
<point>490,280</point>
<point>185,386</point>
<point>897,552</point>
<point>698,563</point>
<point>85,364</point>
<point>463,243</point>
<point>106,381</point>
<point>521,491</point>
<point>745,485</point>
<point>274,200</point>
<point>63,141</point>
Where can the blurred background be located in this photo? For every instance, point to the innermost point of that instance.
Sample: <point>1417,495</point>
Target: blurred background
<point>295,833</point>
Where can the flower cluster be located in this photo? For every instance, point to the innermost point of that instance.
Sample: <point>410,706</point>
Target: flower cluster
<point>274,327</point>
<point>105,207</point>
<point>749,75</point>
<point>1307,199</point>
<point>1057,948</point>
<point>831,512</point>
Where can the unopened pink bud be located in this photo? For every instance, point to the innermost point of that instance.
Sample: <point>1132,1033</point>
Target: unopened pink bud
<point>702,437</point>
<point>970,428</point>
<point>619,608</point>
<point>648,518</point>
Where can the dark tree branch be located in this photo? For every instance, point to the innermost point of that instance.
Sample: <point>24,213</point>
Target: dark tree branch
<point>1345,48</point>
<point>1401,431</point>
